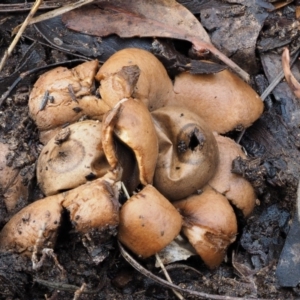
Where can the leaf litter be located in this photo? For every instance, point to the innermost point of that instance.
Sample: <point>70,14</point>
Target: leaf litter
<point>166,19</point>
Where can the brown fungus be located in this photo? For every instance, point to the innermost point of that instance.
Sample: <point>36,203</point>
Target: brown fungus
<point>11,187</point>
<point>62,96</point>
<point>148,222</point>
<point>223,100</point>
<point>94,205</point>
<point>130,122</point>
<point>209,224</point>
<point>188,152</point>
<point>236,188</point>
<point>34,225</point>
<point>71,158</point>
<point>153,86</point>
<point>93,208</point>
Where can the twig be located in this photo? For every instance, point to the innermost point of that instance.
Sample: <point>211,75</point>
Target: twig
<point>199,44</point>
<point>125,190</point>
<point>19,7</point>
<point>63,286</point>
<point>177,294</point>
<point>59,11</point>
<point>159,280</point>
<point>20,32</point>
<point>270,88</point>
<point>298,200</point>
<point>33,71</point>
<point>79,292</point>
<point>277,79</point>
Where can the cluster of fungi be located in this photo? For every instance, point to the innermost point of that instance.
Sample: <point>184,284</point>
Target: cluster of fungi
<point>159,138</point>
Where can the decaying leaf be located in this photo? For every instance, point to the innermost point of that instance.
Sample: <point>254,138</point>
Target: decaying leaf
<point>280,4</point>
<point>289,77</point>
<point>159,18</point>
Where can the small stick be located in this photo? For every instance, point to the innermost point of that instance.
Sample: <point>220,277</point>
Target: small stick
<point>10,49</point>
<point>59,11</point>
<point>72,93</point>
<point>177,294</point>
<point>298,201</point>
<point>63,286</point>
<point>270,88</point>
<point>277,79</point>
<point>163,282</point>
<point>125,190</point>
<point>33,71</point>
<point>44,101</point>
<point>79,292</point>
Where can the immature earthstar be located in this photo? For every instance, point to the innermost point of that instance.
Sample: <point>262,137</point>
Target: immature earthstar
<point>135,68</point>
<point>148,222</point>
<point>223,100</point>
<point>130,122</point>
<point>35,225</point>
<point>11,187</point>
<point>71,158</point>
<point>234,187</point>
<point>94,205</point>
<point>62,96</point>
<point>188,152</point>
<point>209,224</point>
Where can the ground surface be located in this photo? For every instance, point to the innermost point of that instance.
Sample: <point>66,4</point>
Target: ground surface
<point>272,144</point>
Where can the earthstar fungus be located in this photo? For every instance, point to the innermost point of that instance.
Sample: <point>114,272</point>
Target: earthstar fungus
<point>188,152</point>
<point>148,222</point>
<point>209,224</point>
<point>62,96</point>
<point>223,100</point>
<point>153,87</point>
<point>11,186</point>
<point>234,187</point>
<point>71,158</point>
<point>131,122</point>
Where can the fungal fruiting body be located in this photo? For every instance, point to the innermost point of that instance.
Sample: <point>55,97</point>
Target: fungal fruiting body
<point>153,87</point>
<point>93,208</point>
<point>131,122</point>
<point>71,158</point>
<point>61,96</point>
<point>209,224</point>
<point>188,152</point>
<point>35,224</point>
<point>148,222</point>
<point>172,147</point>
<point>94,205</point>
<point>222,100</point>
<point>236,188</point>
<point>11,187</point>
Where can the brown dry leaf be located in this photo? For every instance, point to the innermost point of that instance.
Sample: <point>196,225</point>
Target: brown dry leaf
<point>289,77</point>
<point>297,10</point>
<point>280,4</point>
<point>152,18</point>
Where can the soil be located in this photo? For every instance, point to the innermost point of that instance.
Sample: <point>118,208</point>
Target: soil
<point>272,144</point>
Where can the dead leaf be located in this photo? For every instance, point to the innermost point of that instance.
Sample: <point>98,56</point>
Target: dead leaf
<point>289,77</point>
<point>152,18</point>
<point>280,4</point>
